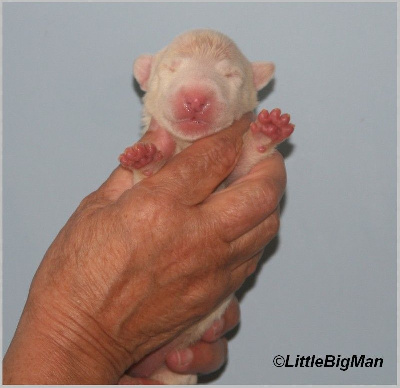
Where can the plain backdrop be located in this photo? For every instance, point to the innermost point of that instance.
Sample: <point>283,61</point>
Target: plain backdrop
<point>327,284</point>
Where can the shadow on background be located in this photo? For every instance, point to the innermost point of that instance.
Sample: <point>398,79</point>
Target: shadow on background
<point>136,88</point>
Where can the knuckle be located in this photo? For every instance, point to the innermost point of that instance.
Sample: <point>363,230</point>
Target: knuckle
<point>235,313</point>
<point>251,268</point>
<point>88,200</point>
<point>208,292</point>
<point>231,316</point>
<point>152,212</point>
<point>275,222</point>
<point>267,195</point>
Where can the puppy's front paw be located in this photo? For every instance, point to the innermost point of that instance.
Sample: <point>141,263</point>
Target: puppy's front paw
<point>271,128</point>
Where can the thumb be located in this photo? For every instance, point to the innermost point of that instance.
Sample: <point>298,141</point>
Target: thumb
<point>193,174</point>
<point>117,183</point>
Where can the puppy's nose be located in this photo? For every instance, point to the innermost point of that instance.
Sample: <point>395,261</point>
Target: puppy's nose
<point>195,103</point>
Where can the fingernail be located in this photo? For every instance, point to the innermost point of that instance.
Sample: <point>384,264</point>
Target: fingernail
<point>184,357</point>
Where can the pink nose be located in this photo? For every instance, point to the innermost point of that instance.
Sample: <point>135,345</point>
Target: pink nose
<point>195,103</point>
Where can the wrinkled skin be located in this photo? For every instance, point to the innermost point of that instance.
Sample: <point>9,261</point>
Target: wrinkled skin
<point>135,266</point>
<point>205,356</point>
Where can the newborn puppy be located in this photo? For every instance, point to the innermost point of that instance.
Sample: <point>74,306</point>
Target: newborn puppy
<point>196,86</point>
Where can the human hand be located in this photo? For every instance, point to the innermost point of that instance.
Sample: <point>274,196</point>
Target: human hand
<point>134,267</point>
<point>205,356</point>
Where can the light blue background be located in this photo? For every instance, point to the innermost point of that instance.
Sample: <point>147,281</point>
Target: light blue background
<point>329,283</point>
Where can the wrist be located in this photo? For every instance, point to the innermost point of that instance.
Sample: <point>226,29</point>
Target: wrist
<point>54,344</point>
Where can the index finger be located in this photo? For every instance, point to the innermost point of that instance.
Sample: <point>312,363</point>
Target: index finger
<point>196,172</point>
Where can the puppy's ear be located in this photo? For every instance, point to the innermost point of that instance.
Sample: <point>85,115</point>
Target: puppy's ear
<point>142,69</point>
<point>263,72</point>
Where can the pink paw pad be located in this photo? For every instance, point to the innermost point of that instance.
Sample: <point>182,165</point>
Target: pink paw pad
<point>274,125</point>
<point>140,155</point>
